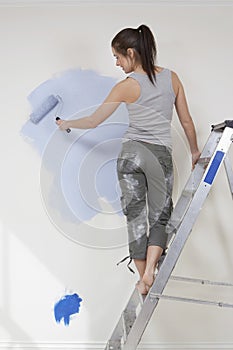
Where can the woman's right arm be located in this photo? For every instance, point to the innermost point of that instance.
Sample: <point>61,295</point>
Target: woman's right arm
<point>185,118</point>
<point>123,91</point>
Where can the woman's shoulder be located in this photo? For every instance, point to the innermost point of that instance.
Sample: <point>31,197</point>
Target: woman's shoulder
<point>175,77</point>
<point>129,88</point>
<point>176,83</point>
<point>127,82</point>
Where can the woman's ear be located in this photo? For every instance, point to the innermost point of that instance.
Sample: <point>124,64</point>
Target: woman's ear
<point>130,53</point>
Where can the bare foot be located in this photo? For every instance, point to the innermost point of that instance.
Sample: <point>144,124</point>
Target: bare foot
<point>141,287</point>
<point>148,279</point>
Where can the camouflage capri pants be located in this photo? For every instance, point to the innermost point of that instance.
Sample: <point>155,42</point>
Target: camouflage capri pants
<point>145,173</point>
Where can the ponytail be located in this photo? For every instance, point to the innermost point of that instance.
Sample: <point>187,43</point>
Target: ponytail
<point>148,51</point>
<point>143,43</point>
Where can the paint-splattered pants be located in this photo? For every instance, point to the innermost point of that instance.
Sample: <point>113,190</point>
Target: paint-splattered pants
<point>145,174</point>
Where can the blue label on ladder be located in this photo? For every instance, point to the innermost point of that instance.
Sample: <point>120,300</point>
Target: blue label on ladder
<point>214,167</point>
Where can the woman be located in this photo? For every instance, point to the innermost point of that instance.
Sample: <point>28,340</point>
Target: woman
<point>145,163</point>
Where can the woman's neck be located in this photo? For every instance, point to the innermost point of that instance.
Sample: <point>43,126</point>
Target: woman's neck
<point>139,69</point>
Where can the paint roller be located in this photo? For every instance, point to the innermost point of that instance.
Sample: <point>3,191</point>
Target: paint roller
<point>46,106</point>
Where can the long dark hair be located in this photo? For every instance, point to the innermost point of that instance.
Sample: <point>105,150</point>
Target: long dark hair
<point>142,41</point>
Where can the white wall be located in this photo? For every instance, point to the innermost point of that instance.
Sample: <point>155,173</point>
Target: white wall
<point>38,263</point>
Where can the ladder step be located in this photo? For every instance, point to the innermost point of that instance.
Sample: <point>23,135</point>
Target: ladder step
<point>188,193</point>
<point>141,298</point>
<point>126,321</point>
<point>204,160</point>
<point>114,345</point>
<point>129,318</point>
<point>226,123</point>
<point>129,314</point>
<point>190,300</point>
<point>201,281</point>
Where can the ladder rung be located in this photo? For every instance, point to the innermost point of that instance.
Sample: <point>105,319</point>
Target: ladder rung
<point>204,160</point>
<point>114,345</point>
<point>201,281</point>
<point>138,298</point>
<point>129,314</point>
<point>188,193</point>
<point>141,298</point>
<point>190,300</point>
<point>226,123</point>
<point>116,340</point>
<point>128,321</point>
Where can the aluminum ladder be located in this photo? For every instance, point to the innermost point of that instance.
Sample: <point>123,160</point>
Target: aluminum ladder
<point>138,311</point>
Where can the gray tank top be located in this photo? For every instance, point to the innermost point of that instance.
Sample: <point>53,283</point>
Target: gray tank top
<point>151,115</point>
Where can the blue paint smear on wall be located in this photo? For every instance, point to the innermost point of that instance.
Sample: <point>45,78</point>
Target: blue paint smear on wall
<point>68,305</point>
<point>89,171</point>
<point>81,165</point>
<point>79,89</point>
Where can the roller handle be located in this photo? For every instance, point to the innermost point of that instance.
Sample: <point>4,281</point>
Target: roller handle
<point>67,130</point>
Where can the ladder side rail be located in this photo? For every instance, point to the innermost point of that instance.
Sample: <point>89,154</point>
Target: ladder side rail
<point>196,175</point>
<point>192,184</point>
<point>200,195</point>
<point>229,172</point>
<point>178,243</point>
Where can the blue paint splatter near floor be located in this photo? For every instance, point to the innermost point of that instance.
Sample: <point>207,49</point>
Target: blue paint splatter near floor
<point>68,305</point>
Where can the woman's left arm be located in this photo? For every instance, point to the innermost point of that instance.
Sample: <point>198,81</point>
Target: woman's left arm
<point>185,118</point>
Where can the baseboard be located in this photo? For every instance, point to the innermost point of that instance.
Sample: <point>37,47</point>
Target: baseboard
<point>101,346</point>
<point>116,2</point>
